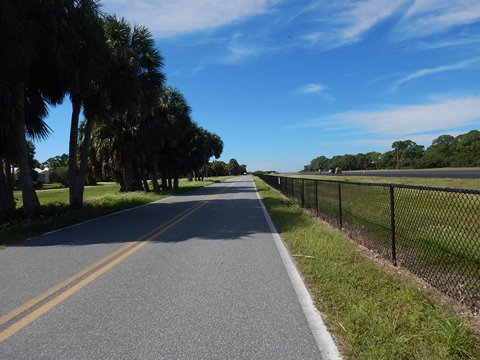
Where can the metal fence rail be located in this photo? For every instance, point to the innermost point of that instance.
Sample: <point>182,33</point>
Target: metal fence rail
<point>433,232</point>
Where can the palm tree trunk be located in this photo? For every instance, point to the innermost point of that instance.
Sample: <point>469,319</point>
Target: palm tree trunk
<point>146,188</point>
<point>131,176</point>
<point>30,200</point>
<point>175,182</point>
<point>75,200</point>
<point>156,188</point>
<point>164,182</point>
<point>7,202</point>
<point>80,184</point>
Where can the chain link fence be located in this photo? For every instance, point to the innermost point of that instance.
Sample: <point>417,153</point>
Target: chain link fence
<point>432,232</point>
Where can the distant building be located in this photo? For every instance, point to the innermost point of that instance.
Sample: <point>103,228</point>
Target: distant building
<point>43,175</point>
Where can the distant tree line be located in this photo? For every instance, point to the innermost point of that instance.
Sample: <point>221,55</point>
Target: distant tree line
<point>58,166</point>
<point>221,168</point>
<point>135,127</point>
<point>445,151</point>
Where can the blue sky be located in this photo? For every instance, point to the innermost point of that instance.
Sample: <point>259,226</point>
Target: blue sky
<point>284,81</point>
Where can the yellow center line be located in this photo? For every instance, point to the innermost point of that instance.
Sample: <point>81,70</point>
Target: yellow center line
<point>15,312</point>
<point>132,248</point>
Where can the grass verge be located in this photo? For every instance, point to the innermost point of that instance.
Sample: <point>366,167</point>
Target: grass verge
<point>436,231</point>
<point>99,200</point>
<point>373,313</point>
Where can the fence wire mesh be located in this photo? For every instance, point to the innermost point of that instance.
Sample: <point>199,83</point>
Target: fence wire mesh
<point>433,232</point>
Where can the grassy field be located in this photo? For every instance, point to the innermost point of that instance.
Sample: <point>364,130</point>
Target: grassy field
<point>436,231</point>
<point>99,200</point>
<point>61,195</point>
<point>436,182</point>
<point>373,313</point>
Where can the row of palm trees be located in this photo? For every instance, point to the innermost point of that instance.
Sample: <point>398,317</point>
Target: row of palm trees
<point>135,127</point>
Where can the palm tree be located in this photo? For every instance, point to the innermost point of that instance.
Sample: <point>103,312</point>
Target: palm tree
<point>178,132</point>
<point>19,41</point>
<point>36,41</point>
<point>86,77</point>
<point>135,80</point>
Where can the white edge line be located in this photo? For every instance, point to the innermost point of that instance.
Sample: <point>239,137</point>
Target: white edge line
<point>322,336</point>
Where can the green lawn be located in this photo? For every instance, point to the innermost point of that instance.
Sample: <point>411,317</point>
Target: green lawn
<point>61,195</point>
<point>373,313</point>
<point>450,183</point>
<point>99,200</point>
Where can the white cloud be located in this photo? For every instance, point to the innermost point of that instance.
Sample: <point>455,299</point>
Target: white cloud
<point>359,17</point>
<point>346,22</point>
<point>240,50</point>
<point>415,119</point>
<point>168,18</point>
<point>315,88</point>
<point>427,17</point>
<point>445,43</point>
<point>239,53</point>
<point>312,88</point>
<point>439,69</point>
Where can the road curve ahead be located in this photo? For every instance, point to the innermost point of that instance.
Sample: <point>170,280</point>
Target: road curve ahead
<point>196,276</point>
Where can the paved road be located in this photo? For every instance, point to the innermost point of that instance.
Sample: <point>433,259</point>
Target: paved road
<point>445,173</point>
<point>204,281</point>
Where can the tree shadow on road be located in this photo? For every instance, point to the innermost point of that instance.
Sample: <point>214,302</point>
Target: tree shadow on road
<point>215,219</point>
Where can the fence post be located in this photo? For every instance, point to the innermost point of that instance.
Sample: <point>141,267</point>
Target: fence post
<point>392,225</point>
<point>316,196</point>
<point>340,219</point>
<point>303,193</point>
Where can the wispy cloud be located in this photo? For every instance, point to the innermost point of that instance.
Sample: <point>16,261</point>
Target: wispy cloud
<point>239,53</point>
<point>359,17</point>
<point>449,42</point>
<point>240,49</point>
<point>347,22</point>
<point>167,18</point>
<point>439,69</point>
<point>314,88</point>
<point>428,17</point>
<point>385,77</point>
<point>406,120</point>
<point>415,119</point>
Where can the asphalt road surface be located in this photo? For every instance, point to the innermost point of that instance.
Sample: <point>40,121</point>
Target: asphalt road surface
<point>443,173</point>
<point>196,276</point>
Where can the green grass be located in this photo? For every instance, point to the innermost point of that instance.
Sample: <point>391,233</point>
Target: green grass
<point>373,313</point>
<point>436,182</point>
<point>61,195</point>
<point>436,231</point>
<point>99,200</point>
<point>50,186</point>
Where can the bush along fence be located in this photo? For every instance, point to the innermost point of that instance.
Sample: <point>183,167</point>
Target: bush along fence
<point>432,232</point>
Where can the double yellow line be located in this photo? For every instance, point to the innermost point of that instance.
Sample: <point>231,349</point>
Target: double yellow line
<point>44,302</point>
